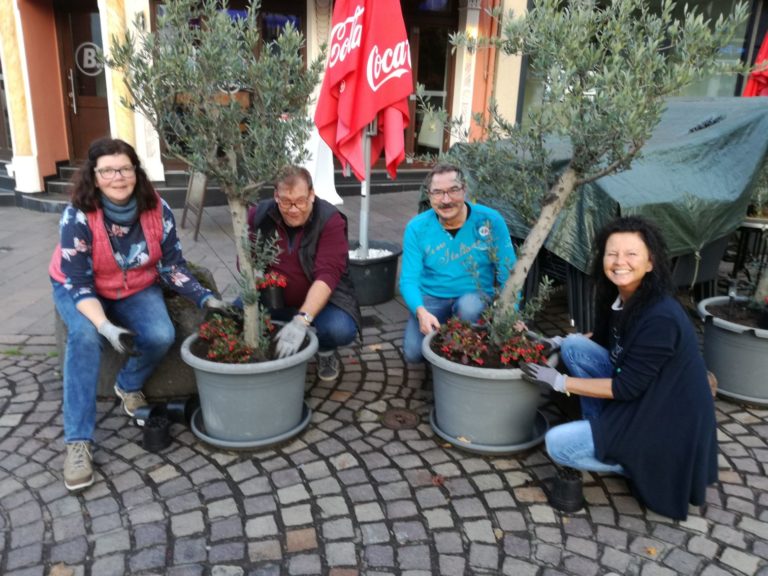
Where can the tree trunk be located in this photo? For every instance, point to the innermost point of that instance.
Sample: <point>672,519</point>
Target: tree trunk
<point>252,320</point>
<point>552,205</point>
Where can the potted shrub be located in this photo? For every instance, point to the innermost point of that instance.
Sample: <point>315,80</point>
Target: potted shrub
<point>736,335</point>
<point>607,71</point>
<point>189,79</point>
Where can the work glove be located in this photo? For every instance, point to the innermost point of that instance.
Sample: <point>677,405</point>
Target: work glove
<point>539,374</point>
<point>215,305</point>
<point>120,338</point>
<point>290,337</point>
<point>551,344</point>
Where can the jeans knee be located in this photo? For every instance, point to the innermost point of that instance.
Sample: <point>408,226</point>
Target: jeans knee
<point>412,350</point>
<point>159,336</point>
<point>470,306</point>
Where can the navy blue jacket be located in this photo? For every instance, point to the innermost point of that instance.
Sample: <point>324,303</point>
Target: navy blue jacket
<point>661,424</point>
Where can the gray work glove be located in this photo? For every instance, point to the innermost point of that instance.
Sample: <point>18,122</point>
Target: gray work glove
<point>215,305</point>
<point>539,374</point>
<point>120,338</point>
<point>290,337</point>
<point>550,344</point>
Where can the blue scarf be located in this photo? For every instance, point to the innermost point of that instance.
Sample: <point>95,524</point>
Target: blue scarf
<point>123,215</point>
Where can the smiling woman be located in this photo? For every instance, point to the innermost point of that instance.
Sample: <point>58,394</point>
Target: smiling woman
<point>117,240</point>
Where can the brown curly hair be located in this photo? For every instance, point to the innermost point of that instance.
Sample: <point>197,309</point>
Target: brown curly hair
<point>86,196</point>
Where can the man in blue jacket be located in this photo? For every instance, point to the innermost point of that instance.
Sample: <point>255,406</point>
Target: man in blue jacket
<point>454,255</point>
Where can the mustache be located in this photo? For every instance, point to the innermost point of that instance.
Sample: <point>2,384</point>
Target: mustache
<point>445,205</point>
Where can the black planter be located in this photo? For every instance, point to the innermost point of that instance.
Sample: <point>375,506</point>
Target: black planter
<point>156,433</point>
<point>375,278</point>
<point>272,297</point>
<point>564,491</point>
<point>181,410</point>
<point>152,410</point>
<point>762,322</point>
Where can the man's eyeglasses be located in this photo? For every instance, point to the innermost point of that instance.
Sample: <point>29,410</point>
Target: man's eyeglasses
<point>111,173</point>
<point>286,204</point>
<point>454,192</point>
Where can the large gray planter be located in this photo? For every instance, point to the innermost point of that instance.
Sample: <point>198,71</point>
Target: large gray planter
<point>736,354</point>
<point>250,405</point>
<point>484,410</point>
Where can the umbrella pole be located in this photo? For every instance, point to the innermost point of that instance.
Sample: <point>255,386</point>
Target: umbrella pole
<point>365,186</point>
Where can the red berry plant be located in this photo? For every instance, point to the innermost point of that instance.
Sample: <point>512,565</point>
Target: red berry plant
<point>498,340</point>
<point>224,337</point>
<point>272,279</point>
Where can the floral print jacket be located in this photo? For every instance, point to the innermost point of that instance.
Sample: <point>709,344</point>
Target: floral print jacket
<point>129,247</point>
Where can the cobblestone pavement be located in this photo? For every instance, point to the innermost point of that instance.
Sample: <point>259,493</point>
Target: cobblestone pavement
<point>349,496</point>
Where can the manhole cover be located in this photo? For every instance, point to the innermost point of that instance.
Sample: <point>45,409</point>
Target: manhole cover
<point>400,419</point>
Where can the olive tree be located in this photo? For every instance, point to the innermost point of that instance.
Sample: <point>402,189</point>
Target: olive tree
<point>227,104</point>
<point>607,68</point>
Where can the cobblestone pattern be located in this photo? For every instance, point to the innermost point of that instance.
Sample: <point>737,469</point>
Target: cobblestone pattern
<point>349,496</point>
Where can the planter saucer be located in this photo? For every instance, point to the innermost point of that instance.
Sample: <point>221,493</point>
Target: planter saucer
<point>198,429</point>
<point>540,427</point>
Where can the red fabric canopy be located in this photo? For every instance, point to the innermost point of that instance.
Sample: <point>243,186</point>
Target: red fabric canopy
<point>368,76</point>
<point>757,83</point>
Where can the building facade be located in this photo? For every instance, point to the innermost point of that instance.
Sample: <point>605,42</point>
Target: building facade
<point>55,97</point>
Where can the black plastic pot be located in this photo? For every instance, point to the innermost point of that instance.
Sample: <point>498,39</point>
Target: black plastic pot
<point>181,410</point>
<point>272,297</point>
<point>156,433</point>
<point>564,491</point>
<point>152,410</point>
<point>375,278</point>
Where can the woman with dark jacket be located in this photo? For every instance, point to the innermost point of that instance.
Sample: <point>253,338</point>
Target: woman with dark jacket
<point>647,408</point>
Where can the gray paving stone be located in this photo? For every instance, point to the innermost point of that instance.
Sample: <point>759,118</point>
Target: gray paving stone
<point>515,567</point>
<point>70,552</point>
<point>189,550</point>
<point>483,556</point>
<point>148,559</point>
<point>414,557</point>
<point>261,526</point>
<point>378,555</point>
<point>451,565</point>
<point>374,533</point>
<point>226,552</point>
<point>341,554</point>
<point>112,542</point>
<point>113,565</point>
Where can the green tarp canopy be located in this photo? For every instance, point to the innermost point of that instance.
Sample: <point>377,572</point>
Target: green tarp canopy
<point>694,178</point>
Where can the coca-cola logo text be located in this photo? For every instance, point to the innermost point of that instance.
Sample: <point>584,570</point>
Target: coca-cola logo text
<point>345,37</point>
<point>392,63</point>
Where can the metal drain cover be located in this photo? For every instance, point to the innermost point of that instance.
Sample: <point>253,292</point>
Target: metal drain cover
<point>400,419</point>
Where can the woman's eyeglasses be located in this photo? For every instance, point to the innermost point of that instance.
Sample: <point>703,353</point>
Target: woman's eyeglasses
<point>453,192</point>
<point>111,173</point>
<point>286,204</point>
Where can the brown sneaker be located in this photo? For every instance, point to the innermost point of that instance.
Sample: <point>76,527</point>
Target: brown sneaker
<point>78,466</point>
<point>132,401</point>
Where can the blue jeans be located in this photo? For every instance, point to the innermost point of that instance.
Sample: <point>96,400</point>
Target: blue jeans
<point>333,325</point>
<point>145,314</point>
<point>572,444</point>
<point>468,307</point>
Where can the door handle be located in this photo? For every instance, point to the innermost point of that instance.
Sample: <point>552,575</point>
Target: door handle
<point>72,94</point>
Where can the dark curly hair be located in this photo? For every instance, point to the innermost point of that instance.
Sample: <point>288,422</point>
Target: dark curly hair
<point>86,196</point>
<point>655,284</point>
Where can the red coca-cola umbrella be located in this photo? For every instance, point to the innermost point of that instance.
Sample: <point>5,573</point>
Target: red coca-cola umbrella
<point>757,83</point>
<point>362,109</point>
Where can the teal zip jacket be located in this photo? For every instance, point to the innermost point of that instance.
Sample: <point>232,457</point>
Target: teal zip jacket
<point>438,264</point>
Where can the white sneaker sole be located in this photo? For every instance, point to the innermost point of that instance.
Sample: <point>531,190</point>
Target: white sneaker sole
<point>80,486</point>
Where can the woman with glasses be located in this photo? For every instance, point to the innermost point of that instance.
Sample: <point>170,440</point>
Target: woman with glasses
<point>117,241</point>
<point>454,255</point>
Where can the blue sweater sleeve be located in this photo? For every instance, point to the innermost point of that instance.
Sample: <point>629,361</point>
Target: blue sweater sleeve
<point>172,266</point>
<point>76,242</point>
<point>411,268</point>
